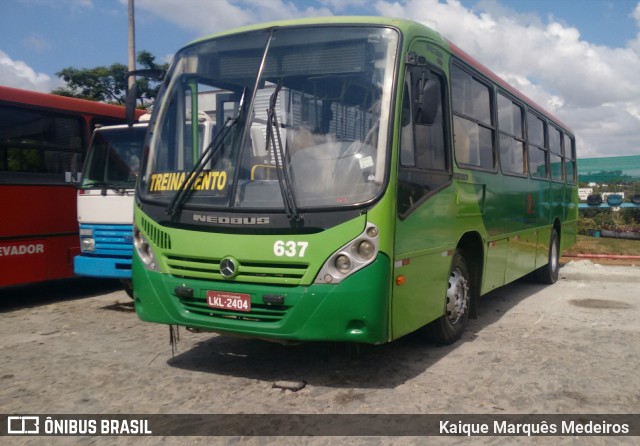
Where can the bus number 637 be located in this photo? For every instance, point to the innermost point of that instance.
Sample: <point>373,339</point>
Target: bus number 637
<point>289,248</point>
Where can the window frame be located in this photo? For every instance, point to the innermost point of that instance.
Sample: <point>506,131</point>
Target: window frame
<point>571,157</point>
<point>522,139</point>
<point>551,126</point>
<point>447,131</point>
<point>544,148</point>
<point>492,127</point>
<point>23,176</point>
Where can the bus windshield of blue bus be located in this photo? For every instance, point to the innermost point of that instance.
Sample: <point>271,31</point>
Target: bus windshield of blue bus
<point>114,157</point>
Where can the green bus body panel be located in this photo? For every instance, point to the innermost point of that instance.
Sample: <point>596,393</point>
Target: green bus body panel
<point>495,265</point>
<point>512,216</point>
<point>355,310</point>
<point>420,299</point>
<point>424,241</point>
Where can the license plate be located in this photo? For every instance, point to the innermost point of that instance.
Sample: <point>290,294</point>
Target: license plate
<point>229,301</point>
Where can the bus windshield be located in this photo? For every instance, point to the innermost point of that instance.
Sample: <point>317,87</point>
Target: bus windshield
<point>299,117</point>
<point>114,157</point>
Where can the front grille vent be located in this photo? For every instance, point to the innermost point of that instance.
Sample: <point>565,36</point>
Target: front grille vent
<point>208,268</point>
<point>160,238</point>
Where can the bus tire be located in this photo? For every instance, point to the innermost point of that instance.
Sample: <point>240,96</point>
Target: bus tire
<point>449,327</point>
<point>548,274</point>
<point>128,287</point>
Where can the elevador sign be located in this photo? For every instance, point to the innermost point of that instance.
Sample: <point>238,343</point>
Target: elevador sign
<point>21,249</point>
<point>360,425</point>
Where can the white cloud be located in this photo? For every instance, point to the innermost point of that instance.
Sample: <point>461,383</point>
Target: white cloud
<point>592,88</point>
<point>17,74</point>
<point>635,44</point>
<point>207,17</point>
<point>341,5</point>
<point>201,16</point>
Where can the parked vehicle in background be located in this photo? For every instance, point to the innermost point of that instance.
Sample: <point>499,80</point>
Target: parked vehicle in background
<point>105,202</point>
<point>43,141</point>
<point>594,200</point>
<point>614,200</point>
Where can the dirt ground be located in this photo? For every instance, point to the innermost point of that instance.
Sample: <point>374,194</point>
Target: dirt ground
<point>574,347</point>
<point>601,261</point>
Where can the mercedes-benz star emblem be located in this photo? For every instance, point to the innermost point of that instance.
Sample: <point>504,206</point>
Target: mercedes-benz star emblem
<point>228,267</point>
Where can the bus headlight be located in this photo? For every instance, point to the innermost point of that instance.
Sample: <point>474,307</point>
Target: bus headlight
<point>352,257</point>
<point>87,244</point>
<point>366,250</point>
<point>343,263</point>
<point>144,250</point>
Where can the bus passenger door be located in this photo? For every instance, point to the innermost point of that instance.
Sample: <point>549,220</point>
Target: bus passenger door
<point>424,204</point>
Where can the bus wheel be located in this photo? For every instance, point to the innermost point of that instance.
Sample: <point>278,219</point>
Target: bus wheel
<point>128,287</point>
<point>449,327</point>
<point>549,273</point>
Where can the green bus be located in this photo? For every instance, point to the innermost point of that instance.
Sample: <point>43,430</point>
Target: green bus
<point>365,178</point>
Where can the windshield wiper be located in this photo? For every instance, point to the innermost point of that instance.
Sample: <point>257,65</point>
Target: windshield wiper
<point>104,185</point>
<point>274,140</point>
<point>207,154</point>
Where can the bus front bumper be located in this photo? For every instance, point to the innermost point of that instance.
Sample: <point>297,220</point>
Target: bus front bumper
<point>107,267</point>
<point>355,310</point>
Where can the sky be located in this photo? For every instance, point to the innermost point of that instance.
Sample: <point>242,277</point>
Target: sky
<point>579,59</point>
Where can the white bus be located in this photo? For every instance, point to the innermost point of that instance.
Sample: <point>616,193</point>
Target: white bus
<point>105,202</point>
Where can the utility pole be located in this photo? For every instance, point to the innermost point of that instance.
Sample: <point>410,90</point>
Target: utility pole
<point>132,44</point>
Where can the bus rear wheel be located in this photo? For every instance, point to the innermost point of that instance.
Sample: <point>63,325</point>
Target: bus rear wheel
<point>548,274</point>
<point>449,327</point>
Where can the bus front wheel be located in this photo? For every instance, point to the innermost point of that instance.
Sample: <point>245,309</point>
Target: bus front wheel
<point>449,327</point>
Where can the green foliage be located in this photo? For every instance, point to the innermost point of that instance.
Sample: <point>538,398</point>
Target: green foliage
<point>109,84</point>
<point>627,220</point>
<point>106,84</point>
<point>585,224</point>
<point>631,215</point>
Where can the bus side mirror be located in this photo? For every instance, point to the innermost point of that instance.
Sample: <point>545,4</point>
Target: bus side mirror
<point>130,105</point>
<point>132,94</point>
<point>427,102</point>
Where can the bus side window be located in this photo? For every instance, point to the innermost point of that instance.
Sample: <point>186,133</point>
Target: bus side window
<point>473,128</point>
<point>570,159</point>
<point>424,165</point>
<point>538,153</point>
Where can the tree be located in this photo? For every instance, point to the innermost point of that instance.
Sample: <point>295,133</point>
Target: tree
<point>148,88</point>
<point>109,84</point>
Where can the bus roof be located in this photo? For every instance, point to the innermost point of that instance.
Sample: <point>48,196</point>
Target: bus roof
<point>335,20</point>
<point>404,26</point>
<point>26,97</point>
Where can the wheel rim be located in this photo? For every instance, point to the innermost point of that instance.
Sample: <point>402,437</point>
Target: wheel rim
<point>457,296</point>
<point>554,256</point>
